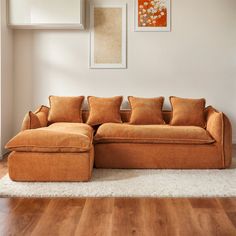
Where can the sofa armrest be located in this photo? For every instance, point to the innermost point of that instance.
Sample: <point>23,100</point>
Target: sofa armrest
<point>37,119</point>
<point>219,127</point>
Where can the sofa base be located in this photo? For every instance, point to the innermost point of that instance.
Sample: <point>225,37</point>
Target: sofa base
<point>50,167</point>
<point>158,156</point>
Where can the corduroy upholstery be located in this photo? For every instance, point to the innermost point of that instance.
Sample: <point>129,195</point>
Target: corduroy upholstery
<point>167,156</point>
<point>37,119</point>
<point>126,133</point>
<point>145,111</point>
<point>42,114</point>
<point>122,146</point>
<point>103,110</point>
<point>183,156</point>
<point>65,109</point>
<point>57,137</point>
<point>187,111</point>
<point>219,126</point>
<point>40,167</point>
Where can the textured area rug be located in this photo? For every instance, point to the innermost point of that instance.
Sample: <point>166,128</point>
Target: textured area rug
<point>133,183</point>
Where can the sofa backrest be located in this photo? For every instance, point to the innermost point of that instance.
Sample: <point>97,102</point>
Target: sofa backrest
<point>125,115</point>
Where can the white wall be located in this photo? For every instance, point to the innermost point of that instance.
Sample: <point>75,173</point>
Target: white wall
<point>6,85</point>
<point>196,59</point>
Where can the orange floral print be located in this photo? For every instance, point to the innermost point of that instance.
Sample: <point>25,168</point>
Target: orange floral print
<point>152,13</point>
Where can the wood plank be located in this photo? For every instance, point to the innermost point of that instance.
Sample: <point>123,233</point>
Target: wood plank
<point>182,218</point>
<point>96,218</point>
<point>128,217</point>
<point>61,217</point>
<point>229,204</point>
<point>7,205</point>
<point>109,216</point>
<point>22,215</point>
<point>212,216</point>
<point>232,217</point>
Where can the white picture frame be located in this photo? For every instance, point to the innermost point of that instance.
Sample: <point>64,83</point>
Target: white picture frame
<point>137,28</point>
<point>123,63</point>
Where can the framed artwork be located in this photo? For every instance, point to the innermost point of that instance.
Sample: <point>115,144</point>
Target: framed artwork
<point>152,15</point>
<point>107,35</point>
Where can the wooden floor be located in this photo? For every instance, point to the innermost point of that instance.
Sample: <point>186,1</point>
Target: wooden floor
<point>117,216</point>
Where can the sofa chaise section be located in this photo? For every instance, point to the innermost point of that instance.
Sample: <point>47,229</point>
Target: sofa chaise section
<point>59,152</point>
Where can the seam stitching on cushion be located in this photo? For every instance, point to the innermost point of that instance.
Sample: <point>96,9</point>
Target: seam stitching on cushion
<point>158,140</point>
<point>31,146</point>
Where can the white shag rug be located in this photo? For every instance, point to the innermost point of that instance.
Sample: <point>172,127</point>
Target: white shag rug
<point>132,183</point>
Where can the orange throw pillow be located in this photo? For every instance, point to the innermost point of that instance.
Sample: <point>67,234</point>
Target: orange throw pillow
<point>146,111</point>
<point>187,111</point>
<point>104,110</point>
<point>37,119</point>
<point>65,109</point>
<point>31,121</point>
<point>42,114</point>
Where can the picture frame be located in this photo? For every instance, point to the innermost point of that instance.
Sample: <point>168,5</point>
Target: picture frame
<point>152,15</point>
<point>107,35</point>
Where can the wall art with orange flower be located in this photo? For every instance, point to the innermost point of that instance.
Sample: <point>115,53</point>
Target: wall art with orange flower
<point>152,15</point>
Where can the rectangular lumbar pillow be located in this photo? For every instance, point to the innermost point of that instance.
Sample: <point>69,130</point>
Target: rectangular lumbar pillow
<point>65,109</point>
<point>104,110</point>
<point>146,111</point>
<point>187,111</point>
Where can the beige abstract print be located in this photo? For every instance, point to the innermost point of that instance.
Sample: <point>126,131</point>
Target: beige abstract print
<point>107,35</point>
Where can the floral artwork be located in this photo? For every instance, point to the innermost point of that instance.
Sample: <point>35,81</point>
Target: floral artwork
<point>152,15</point>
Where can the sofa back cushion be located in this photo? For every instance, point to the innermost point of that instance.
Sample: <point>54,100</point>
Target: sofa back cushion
<point>188,112</point>
<point>104,110</point>
<point>146,111</point>
<point>65,109</point>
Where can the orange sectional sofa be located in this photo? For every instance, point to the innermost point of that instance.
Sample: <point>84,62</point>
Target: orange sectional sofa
<point>66,151</point>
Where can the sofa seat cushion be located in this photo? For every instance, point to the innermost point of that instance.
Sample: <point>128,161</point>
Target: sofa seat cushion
<point>126,133</point>
<point>58,137</point>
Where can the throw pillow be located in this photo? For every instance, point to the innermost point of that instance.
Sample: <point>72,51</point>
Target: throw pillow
<point>187,111</point>
<point>146,111</point>
<point>31,121</point>
<point>104,110</point>
<point>65,109</point>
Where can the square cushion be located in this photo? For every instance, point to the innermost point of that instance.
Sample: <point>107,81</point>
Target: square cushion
<point>187,111</point>
<point>65,109</point>
<point>58,137</point>
<point>146,111</point>
<point>126,133</point>
<point>104,110</point>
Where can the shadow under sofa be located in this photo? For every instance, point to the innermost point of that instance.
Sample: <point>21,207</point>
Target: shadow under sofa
<point>69,151</point>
